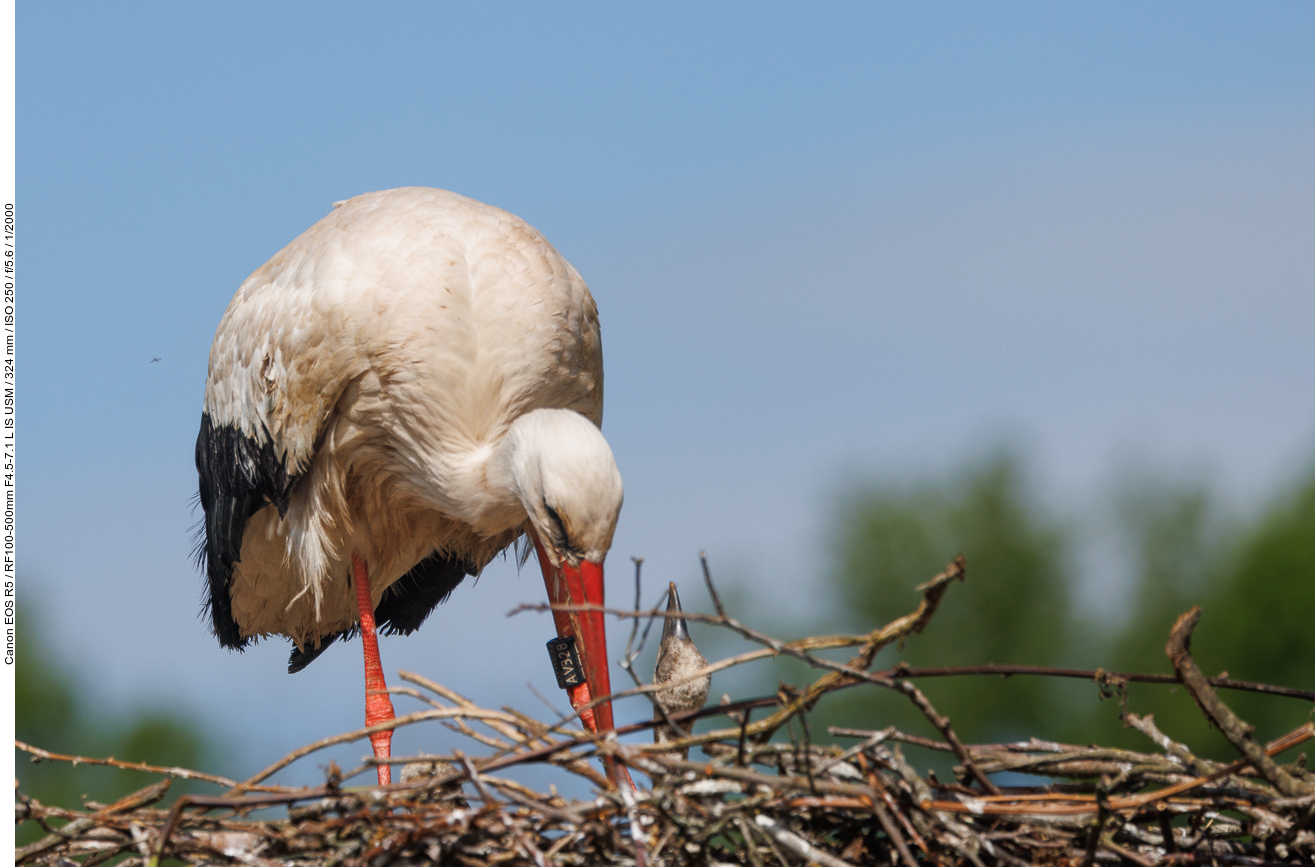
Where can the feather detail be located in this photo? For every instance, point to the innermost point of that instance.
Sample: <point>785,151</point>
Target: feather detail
<point>359,385</point>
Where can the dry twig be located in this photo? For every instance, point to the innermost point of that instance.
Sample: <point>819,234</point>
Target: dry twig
<point>754,802</point>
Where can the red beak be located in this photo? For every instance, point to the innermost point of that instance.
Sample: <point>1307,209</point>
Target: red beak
<point>568,585</point>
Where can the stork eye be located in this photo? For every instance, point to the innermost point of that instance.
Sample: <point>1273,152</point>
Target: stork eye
<point>563,540</point>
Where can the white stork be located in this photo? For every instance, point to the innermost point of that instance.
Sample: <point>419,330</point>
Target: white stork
<point>393,399</point>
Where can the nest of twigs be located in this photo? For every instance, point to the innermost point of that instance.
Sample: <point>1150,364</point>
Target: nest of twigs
<point>753,801</point>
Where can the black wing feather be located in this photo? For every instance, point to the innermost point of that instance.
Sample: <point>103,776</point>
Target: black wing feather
<point>302,658</point>
<point>238,477</point>
<point>409,600</point>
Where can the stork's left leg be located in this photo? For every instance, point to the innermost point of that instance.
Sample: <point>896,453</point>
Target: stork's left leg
<point>378,706</point>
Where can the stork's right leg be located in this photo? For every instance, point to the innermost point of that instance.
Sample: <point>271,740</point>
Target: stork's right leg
<point>378,706</point>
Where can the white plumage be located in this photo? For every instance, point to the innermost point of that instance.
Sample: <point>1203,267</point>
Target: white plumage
<point>385,355</point>
<point>393,398</point>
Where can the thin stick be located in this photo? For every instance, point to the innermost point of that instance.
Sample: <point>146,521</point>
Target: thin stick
<point>141,798</point>
<point>1088,804</point>
<point>181,773</point>
<point>348,737</point>
<point>547,702</point>
<point>798,845</point>
<point>712,590</point>
<point>634,626</point>
<point>1098,675</point>
<point>942,724</point>
<point>898,629</point>
<point>1238,732</point>
<point>892,831</point>
<point>474,778</point>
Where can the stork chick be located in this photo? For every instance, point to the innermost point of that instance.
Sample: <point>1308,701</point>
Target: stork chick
<point>678,658</point>
<point>439,770</point>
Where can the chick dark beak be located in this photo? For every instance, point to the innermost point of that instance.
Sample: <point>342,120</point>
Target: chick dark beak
<point>675,627</point>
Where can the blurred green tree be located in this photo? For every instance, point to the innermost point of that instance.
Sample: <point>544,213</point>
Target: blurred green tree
<point>1013,607</point>
<point>1261,617</point>
<point>54,712</point>
<point>1268,602</point>
<point>1180,549</point>
<point>1256,587</point>
<point>1178,544</point>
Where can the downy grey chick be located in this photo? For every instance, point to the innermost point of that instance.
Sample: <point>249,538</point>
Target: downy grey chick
<point>677,659</point>
<point>449,792</point>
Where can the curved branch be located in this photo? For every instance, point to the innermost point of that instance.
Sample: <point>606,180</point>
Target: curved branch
<point>1237,730</point>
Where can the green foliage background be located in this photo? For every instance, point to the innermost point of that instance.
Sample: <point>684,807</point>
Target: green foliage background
<point>1014,607</point>
<point>53,711</point>
<point>1254,579</point>
<point>1023,602</point>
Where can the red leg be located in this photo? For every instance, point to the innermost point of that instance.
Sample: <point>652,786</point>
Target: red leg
<point>378,706</point>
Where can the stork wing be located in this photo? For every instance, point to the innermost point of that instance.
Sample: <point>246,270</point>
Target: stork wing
<point>468,313</point>
<point>238,477</point>
<point>276,372</point>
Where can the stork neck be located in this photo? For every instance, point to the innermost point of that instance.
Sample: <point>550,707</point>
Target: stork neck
<point>490,504</point>
<point>556,463</point>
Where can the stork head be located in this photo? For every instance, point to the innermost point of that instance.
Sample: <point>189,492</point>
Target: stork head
<point>563,473</point>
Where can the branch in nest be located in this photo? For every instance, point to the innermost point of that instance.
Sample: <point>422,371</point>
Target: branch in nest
<point>755,800</point>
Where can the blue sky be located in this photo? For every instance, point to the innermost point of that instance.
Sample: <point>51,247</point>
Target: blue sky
<point>827,243</point>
